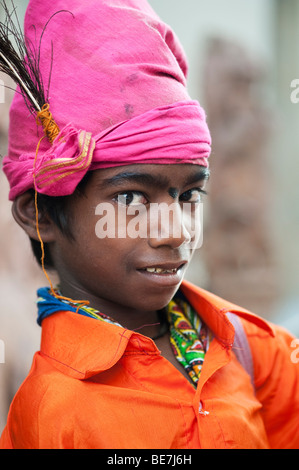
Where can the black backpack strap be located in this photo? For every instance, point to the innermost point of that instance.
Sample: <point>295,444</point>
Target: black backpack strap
<point>241,346</point>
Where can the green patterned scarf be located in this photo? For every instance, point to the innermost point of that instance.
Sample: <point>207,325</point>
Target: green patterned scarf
<point>189,336</point>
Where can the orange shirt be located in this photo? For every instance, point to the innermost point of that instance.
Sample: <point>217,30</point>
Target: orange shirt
<point>97,385</point>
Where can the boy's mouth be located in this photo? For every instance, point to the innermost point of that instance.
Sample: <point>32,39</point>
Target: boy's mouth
<point>161,270</point>
<point>167,268</point>
<point>167,275</point>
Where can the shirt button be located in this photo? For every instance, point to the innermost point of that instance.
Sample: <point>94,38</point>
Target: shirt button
<point>201,411</point>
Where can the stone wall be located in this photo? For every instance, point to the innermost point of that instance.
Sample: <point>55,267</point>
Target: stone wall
<point>238,247</point>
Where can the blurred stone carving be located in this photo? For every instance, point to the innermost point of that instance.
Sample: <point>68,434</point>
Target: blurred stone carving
<point>238,246</point>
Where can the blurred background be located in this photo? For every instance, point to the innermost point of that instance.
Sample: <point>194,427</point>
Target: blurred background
<point>243,57</point>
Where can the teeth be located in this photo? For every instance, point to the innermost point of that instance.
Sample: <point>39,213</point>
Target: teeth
<point>161,271</point>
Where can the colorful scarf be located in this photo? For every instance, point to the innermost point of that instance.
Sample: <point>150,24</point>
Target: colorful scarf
<point>189,336</point>
<point>48,304</point>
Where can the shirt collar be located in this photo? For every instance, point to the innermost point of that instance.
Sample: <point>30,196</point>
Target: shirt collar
<point>82,347</point>
<point>213,309</point>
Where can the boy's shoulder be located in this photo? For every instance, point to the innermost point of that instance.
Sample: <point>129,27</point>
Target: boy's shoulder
<point>22,427</point>
<point>268,342</point>
<point>218,312</point>
<point>45,395</point>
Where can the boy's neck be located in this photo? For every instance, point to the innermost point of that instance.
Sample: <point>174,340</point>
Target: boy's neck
<point>145,322</point>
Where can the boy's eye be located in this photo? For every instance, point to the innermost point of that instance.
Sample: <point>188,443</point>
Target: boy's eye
<point>192,195</point>
<point>130,198</point>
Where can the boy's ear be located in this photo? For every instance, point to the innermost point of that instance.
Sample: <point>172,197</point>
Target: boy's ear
<point>23,210</point>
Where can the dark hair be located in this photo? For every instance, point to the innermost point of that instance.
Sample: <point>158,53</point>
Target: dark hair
<point>57,209</point>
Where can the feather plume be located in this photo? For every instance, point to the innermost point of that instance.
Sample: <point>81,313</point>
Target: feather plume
<point>19,60</point>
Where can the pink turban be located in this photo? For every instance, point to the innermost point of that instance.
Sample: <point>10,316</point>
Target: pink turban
<point>117,93</point>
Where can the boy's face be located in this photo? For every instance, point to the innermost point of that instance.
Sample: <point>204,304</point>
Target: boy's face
<point>125,253</point>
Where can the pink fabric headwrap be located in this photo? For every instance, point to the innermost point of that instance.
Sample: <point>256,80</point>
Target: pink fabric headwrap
<point>117,92</point>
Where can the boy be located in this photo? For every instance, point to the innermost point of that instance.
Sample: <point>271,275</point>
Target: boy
<point>131,355</point>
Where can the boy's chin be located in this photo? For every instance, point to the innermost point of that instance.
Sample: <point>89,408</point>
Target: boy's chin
<point>158,302</point>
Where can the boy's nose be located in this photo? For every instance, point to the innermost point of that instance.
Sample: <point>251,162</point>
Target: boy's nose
<point>168,226</point>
